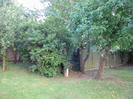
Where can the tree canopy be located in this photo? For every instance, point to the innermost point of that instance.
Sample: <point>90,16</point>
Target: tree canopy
<point>106,25</point>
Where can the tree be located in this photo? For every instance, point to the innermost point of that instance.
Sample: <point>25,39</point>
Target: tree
<point>56,41</point>
<point>60,12</point>
<point>64,10</point>
<point>49,38</point>
<point>106,24</point>
<point>9,19</point>
<point>78,29</point>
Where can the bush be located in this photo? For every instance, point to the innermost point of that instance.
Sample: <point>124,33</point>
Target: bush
<point>33,68</point>
<point>47,61</point>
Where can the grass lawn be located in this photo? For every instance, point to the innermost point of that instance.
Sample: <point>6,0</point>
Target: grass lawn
<point>18,83</point>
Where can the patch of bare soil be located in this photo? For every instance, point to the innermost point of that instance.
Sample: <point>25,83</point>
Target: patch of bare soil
<point>73,75</point>
<point>78,75</point>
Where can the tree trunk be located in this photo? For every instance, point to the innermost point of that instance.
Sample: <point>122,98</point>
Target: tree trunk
<point>102,63</point>
<point>83,60</point>
<point>4,60</point>
<point>101,67</point>
<point>15,56</point>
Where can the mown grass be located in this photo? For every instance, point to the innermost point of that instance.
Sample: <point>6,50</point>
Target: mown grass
<point>18,83</point>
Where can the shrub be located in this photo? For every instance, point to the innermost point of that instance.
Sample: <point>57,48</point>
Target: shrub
<point>47,61</point>
<point>33,68</point>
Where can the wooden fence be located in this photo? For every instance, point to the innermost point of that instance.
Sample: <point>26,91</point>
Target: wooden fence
<point>113,60</point>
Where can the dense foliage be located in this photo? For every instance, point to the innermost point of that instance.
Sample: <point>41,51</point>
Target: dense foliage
<point>10,18</point>
<point>48,62</point>
<point>106,24</point>
<point>47,40</point>
<point>70,24</point>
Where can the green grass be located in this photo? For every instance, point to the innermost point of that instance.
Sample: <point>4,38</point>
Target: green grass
<point>125,73</point>
<point>18,83</point>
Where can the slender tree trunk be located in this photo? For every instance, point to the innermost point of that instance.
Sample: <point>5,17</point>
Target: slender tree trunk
<point>83,60</point>
<point>4,60</point>
<point>102,63</point>
<point>101,67</point>
<point>15,56</point>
